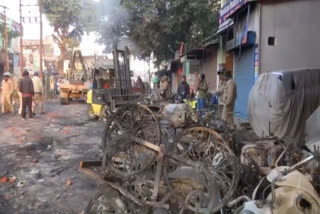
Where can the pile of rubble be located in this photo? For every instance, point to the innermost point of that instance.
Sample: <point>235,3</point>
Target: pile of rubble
<point>168,160</point>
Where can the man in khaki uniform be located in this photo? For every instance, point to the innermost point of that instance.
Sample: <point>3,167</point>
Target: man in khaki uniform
<point>7,90</point>
<point>38,93</point>
<point>219,91</point>
<point>17,96</point>
<point>230,96</point>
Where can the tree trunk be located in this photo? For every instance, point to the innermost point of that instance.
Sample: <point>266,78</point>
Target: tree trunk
<point>62,57</point>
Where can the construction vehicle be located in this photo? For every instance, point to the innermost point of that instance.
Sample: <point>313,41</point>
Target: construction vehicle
<point>103,80</point>
<point>76,84</point>
<point>112,87</point>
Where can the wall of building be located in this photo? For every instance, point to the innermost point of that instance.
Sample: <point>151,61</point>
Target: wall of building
<point>253,23</point>
<point>209,68</point>
<point>295,26</point>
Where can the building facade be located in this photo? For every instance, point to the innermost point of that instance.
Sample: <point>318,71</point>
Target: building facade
<point>265,36</point>
<point>31,54</point>
<point>195,62</point>
<point>13,46</point>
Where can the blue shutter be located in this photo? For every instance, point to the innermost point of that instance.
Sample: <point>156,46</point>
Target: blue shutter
<point>244,78</point>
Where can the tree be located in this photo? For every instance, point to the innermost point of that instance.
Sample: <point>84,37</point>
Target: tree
<point>160,26</point>
<point>70,19</point>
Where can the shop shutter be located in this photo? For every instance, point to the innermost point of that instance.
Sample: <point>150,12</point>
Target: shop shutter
<point>244,78</point>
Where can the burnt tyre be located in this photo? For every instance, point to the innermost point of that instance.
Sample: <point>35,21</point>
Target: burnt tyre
<point>91,114</point>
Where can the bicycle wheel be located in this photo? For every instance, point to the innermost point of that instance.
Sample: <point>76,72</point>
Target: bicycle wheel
<point>123,157</point>
<point>135,119</point>
<point>207,170</point>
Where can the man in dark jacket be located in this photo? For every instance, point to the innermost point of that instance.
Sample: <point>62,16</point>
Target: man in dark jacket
<point>184,89</point>
<point>27,91</point>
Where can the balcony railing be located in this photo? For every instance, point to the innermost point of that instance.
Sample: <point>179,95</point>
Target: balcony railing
<point>241,40</point>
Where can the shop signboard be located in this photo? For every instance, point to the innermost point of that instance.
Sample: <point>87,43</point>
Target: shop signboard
<point>230,8</point>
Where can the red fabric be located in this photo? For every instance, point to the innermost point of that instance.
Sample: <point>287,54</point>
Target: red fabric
<point>26,95</point>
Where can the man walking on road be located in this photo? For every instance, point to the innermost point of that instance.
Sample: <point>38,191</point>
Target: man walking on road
<point>38,93</point>
<point>26,89</point>
<point>7,90</point>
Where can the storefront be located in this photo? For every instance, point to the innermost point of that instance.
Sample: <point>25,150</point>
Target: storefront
<point>244,78</point>
<point>238,27</point>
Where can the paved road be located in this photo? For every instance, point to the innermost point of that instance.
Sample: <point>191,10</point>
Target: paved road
<point>43,154</point>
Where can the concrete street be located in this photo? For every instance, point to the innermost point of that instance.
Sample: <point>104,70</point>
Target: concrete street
<point>39,160</point>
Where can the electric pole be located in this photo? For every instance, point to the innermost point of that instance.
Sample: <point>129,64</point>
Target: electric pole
<point>5,42</point>
<point>21,39</point>
<point>22,19</point>
<point>41,40</point>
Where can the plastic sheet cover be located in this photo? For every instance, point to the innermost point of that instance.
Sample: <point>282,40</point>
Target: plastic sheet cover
<point>281,102</point>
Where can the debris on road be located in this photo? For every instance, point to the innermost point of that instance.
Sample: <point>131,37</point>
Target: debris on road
<point>69,182</point>
<point>36,157</point>
<point>12,180</point>
<point>20,184</point>
<point>4,179</point>
<point>197,169</point>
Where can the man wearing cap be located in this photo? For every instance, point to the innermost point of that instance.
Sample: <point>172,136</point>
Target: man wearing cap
<point>230,93</point>
<point>38,92</point>
<point>26,89</point>
<point>7,90</point>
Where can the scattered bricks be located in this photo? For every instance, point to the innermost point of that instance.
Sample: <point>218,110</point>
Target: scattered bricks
<point>4,179</point>
<point>34,161</point>
<point>36,138</point>
<point>7,197</point>
<point>69,182</point>
<point>66,130</point>
<point>53,115</point>
<point>12,128</point>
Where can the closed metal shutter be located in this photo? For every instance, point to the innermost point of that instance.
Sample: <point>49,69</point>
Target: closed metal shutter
<point>244,78</point>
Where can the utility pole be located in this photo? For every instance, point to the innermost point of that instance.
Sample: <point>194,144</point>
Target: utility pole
<point>21,38</point>
<point>41,39</point>
<point>5,42</point>
<point>22,18</point>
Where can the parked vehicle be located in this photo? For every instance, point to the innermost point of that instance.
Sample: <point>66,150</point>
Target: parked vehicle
<point>112,87</point>
<point>76,84</point>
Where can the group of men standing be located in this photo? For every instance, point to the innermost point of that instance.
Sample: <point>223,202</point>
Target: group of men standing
<point>227,93</point>
<point>29,91</point>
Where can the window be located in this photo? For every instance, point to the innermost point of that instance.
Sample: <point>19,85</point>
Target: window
<point>271,40</point>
